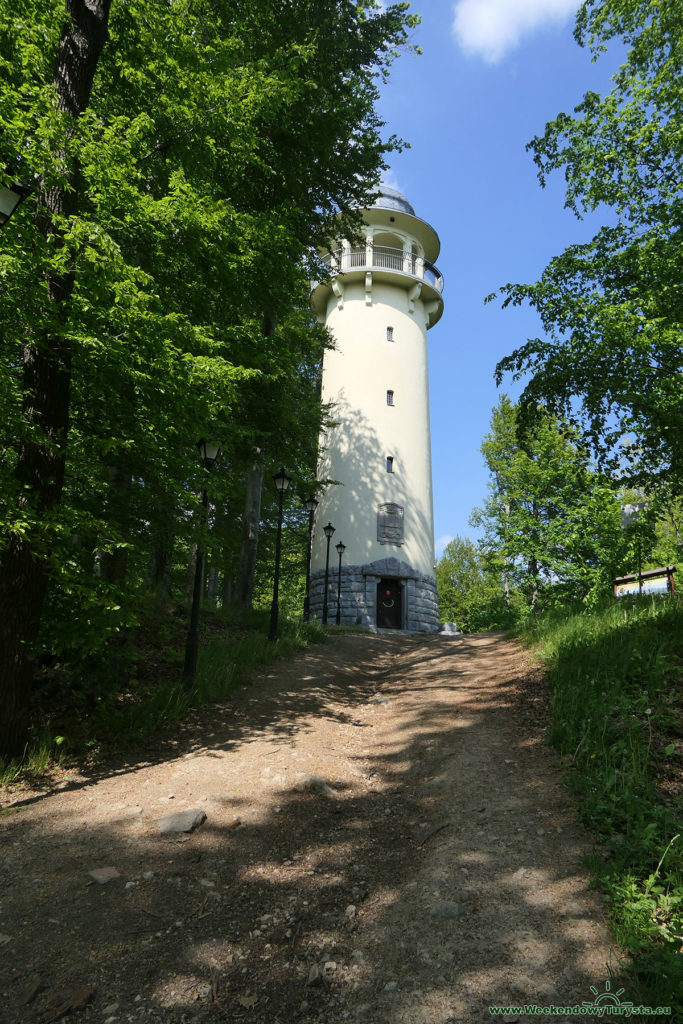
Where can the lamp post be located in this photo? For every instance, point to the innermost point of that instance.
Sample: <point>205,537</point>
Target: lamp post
<point>10,199</point>
<point>282,482</point>
<point>341,548</point>
<point>310,505</point>
<point>328,531</point>
<point>208,453</point>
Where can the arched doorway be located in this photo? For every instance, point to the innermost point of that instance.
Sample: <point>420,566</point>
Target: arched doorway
<point>389,611</point>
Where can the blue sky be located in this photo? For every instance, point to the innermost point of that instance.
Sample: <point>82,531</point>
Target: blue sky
<point>492,73</point>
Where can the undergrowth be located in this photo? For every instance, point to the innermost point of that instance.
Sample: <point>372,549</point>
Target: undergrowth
<point>616,681</point>
<point>131,689</point>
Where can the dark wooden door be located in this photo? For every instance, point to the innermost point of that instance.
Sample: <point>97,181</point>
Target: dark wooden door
<point>389,604</point>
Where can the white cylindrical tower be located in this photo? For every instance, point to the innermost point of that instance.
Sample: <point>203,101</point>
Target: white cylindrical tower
<point>381,299</point>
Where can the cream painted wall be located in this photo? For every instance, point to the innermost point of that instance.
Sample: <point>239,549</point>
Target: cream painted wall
<point>356,378</point>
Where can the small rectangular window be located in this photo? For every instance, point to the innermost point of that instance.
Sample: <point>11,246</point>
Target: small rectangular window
<point>390,463</point>
<point>390,333</point>
<point>390,397</point>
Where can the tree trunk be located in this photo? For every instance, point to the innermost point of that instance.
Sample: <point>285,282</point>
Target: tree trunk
<point>212,586</point>
<point>677,532</point>
<point>533,572</point>
<point>244,584</point>
<point>160,565</point>
<point>41,457</point>
<point>114,563</point>
<point>506,574</point>
<point>533,561</point>
<point>191,566</point>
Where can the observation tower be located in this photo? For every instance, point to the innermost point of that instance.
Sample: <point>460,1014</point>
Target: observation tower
<point>379,302</point>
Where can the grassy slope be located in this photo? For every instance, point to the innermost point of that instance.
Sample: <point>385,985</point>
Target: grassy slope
<point>616,679</point>
<point>131,690</point>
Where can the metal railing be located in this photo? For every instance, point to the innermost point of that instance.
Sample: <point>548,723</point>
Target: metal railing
<point>382,257</point>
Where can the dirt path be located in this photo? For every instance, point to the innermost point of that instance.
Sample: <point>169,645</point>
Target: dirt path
<point>443,875</point>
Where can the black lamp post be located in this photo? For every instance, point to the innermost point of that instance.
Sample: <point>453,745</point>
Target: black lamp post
<point>282,482</point>
<point>341,548</point>
<point>208,453</point>
<point>10,199</point>
<point>310,505</point>
<point>328,531</point>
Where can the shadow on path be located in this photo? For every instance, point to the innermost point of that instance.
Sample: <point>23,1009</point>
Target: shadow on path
<point>443,876</point>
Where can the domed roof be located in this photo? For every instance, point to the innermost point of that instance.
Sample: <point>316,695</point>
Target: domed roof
<point>391,199</point>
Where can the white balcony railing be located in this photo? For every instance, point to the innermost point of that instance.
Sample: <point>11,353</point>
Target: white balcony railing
<point>381,257</point>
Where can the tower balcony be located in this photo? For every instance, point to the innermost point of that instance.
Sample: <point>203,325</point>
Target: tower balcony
<point>381,263</point>
<point>381,257</point>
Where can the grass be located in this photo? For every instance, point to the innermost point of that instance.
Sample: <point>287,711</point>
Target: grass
<point>616,681</point>
<point>38,767</point>
<point>131,690</point>
<point>224,664</point>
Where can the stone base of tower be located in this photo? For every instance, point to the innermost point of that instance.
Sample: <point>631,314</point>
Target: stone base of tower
<point>385,594</point>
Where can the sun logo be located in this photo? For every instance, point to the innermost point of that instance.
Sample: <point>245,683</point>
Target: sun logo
<point>606,998</point>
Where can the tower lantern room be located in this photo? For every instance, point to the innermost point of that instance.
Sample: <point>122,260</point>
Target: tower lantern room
<point>382,295</point>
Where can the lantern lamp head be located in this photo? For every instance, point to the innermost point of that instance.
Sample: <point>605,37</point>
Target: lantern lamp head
<point>311,504</point>
<point>328,530</point>
<point>341,548</point>
<point>10,199</point>
<point>208,452</point>
<point>282,480</point>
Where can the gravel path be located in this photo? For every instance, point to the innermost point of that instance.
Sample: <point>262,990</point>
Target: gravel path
<point>387,839</point>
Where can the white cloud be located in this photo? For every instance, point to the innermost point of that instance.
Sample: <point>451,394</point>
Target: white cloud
<point>490,28</point>
<point>390,179</point>
<point>440,543</point>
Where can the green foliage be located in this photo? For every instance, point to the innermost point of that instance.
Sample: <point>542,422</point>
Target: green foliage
<point>37,767</point>
<point>469,589</point>
<point>224,664</point>
<point>611,308</point>
<point>668,547</point>
<point>617,709</point>
<point>221,144</point>
<point>551,522</point>
<point>292,562</point>
<point>132,689</point>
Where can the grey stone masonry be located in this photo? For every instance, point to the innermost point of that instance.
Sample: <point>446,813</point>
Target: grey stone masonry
<point>420,606</point>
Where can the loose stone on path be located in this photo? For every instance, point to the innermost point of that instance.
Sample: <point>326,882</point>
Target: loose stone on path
<point>181,821</point>
<point>104,875</point>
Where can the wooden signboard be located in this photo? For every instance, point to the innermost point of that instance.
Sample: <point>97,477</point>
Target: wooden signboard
<point>652,581</point>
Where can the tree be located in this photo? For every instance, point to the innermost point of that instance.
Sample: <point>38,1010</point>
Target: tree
<point>669,534</point>
<point>469,588</point>
<point>186,157</point>
<point>46,377</point>
<point>612,308</point>
<point>551,522</point>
